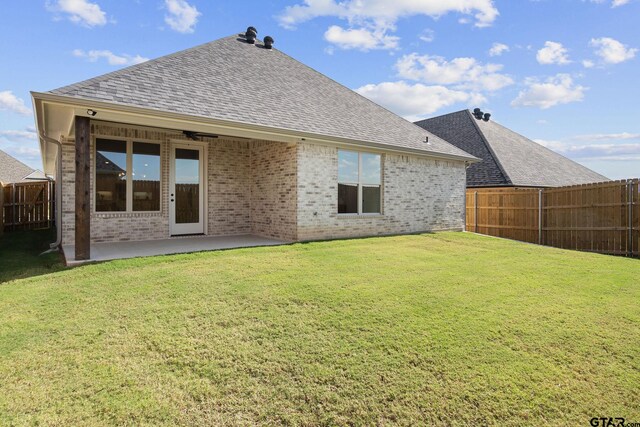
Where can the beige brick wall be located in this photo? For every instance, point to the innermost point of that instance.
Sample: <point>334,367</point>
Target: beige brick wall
<point>282,191</point>
<point>273,201</point>
<point>250,189</point>
<point>419,194</point>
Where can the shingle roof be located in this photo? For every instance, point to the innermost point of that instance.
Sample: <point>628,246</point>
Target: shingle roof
<point>458,129</point>
<point>12,169</point>
<point>229,79</point>
<point>508,158</point>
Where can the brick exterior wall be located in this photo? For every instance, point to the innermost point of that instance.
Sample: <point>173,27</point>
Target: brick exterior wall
<point>419,194</point>
<point>250,189</point>
<point>273,201</point>
<point>277,190</point>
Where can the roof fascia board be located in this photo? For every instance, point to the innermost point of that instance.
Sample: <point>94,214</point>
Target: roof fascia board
<point>149,117</point>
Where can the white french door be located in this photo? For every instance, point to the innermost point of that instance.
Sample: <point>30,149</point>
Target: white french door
<point>186,189</point>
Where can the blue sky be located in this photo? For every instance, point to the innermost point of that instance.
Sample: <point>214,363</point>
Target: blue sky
<point>562,72</point>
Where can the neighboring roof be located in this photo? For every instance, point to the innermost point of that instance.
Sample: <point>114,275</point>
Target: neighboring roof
<point>12,170</point>
<point>229,79</point>
<point>508,158</point>
<point>36,175</point>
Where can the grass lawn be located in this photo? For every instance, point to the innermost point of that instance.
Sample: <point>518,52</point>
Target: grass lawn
<point>446,329</point>
<point>20,254</point>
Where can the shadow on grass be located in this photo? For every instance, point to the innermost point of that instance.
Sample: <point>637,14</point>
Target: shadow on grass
<point>20,254</point>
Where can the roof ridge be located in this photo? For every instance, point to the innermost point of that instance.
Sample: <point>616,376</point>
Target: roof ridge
<point>489,148</point>
<point>228,79</point>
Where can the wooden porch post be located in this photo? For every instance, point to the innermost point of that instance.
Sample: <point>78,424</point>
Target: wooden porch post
<point>83,205</point>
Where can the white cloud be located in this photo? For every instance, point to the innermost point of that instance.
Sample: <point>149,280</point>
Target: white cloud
<point>498,49</point>
<point>370,21</point>
<point>10,102</point>
<point>414,101</point>
<point>427,35</point>
<point>611,51</point>
<point>610,152</point>
<point>385,12</point>
<point>553,53</point>
<point>18,134</point>
<point>112,59</point>
<point>556,90</point>
<point>23,145</point>
<point>614,3</point>
<point>464,73</point>
<point>587,63</point>
<point>607,136</point>
<point>361,39</point>
<point>81,12</point>
<point>182,17</point>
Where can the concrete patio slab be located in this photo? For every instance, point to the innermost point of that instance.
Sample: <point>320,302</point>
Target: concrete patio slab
<point>175,245</point>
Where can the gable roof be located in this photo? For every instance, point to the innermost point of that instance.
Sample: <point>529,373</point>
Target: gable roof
<point>12,169</point>
<point>229,79</point>
<point>508,158</point>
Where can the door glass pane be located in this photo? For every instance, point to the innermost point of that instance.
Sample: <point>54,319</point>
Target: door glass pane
<point>146,176</point>
<point>187,196</point>
<point>347,198</point>
<point>370,199</point>
<point>111,175</point>
<point>347,166</point>
<point>371,169</point>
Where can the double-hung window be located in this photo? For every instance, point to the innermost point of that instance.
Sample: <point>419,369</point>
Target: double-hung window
<point>359,183</point>
<point>127,176</point>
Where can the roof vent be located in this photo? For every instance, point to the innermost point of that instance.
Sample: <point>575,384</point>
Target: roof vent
<point>486,117</point>
<point>251,35</point>
<point>268,42</point>
<point>477,113</point>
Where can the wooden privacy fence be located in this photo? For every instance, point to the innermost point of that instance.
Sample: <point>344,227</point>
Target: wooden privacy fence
<point>600,217</point>
<point>27,205</point>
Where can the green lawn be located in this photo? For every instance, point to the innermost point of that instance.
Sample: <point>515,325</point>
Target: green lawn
<point>20,254</point>
<point>445,329</point>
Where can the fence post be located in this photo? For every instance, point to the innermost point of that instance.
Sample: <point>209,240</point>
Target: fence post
<point>540,216</point>
<point>1,209</point>
<point>475,214</point>
<point>630,221</point>
<point>13,207</point>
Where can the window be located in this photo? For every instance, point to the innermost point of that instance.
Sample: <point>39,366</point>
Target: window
<point>146,176</point>
<point>359,183</point>
<point>127,176</point>
<point>111,176</point>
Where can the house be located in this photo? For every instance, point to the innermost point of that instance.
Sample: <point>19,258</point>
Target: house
<point>508,159</point>
<point>13,170</point>
<point>235,138</point>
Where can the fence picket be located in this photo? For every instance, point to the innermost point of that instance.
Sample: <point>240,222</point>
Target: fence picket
<point>600,217</point>
<point>27,206</point>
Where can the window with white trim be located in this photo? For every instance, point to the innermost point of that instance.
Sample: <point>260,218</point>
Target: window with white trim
<point>127,176</point>
<point>359,183</point>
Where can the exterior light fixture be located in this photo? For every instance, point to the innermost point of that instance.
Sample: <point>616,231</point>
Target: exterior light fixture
<point>92,112</point>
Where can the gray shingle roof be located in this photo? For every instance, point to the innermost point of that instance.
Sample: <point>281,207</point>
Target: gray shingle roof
<point>458,129</point>
<point>229,79</point>
<point>12,169</point>
<point>508,157</point>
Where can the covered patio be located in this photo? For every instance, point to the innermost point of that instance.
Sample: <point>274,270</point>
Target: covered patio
<point>177,245</point>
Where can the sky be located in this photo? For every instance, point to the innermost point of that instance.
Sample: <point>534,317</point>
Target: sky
<point>561,72</point>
